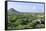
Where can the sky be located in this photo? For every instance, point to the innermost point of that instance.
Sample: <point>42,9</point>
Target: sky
<point>26,7</point>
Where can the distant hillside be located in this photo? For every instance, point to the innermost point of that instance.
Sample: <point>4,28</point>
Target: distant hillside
<point>13,11</point>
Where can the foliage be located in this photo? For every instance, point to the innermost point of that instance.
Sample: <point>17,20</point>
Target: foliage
<point>25,21</point>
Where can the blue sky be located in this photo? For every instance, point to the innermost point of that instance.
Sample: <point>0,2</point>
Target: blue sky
<point>26,7</point>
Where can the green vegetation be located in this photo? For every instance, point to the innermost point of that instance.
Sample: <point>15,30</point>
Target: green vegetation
<point>25,21</point>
